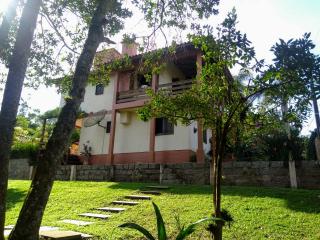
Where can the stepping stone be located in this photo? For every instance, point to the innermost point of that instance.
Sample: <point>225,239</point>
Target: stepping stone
<point>125,203</point>
<point>7,233</point>
<point>48,228</point>
<point>158,187</point>
<point>95,215</point>
<point>8,227</point>
<point>138,197</point>
<point>151,192</point>
<point>77,222</point>
<point>61,235</point>
<point>111,209</point>
<point>86,236</point>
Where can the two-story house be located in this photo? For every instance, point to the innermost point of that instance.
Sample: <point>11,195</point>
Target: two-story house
<point>121,137</point>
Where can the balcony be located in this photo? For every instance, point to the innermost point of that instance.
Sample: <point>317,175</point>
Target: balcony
<point>173,88</point>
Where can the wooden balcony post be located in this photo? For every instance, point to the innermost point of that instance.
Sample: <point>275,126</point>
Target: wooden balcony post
<point>200,151</point>
<point>155,81</point>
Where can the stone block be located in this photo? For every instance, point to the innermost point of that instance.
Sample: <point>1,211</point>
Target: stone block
<point>239,164</point>
<point>276,164</point>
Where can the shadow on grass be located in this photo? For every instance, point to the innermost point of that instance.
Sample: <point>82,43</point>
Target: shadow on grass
<point>300,200</point>
<point>15,196</point>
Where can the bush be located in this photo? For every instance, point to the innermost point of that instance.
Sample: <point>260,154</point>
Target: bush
<point>25,150</point>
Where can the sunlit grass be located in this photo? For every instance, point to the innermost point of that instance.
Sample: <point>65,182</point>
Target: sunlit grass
<point>259,213</point>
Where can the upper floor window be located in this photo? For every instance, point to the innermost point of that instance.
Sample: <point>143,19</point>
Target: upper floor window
<point>142,81</point>
<point>99,89</point>
<point>164,127</point>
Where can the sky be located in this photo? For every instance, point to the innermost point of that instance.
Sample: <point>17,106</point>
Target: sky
<point>264,21</point>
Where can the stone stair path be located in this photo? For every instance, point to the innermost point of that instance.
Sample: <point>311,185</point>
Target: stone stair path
<point>64,235</point>
<point>95,215</point>
<point>47,232</point>
<point>138,197</point>
<point>77,222</point>
<point>129,203</point>
<point>151,192</point>
<point>111,209</point>
<point>159,187</point>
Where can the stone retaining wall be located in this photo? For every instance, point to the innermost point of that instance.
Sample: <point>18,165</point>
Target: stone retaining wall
<point>260,173</point>
<point>19,169</point>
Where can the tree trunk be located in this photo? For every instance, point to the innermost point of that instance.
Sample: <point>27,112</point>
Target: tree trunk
<point>30,217</point>
<point>292,164</point>
<point>317,117</point>
<point>6,24</point>
<point>10,103</point>
<point>217,156</point>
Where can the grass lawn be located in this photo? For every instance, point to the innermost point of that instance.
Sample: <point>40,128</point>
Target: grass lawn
<point>259,213</point>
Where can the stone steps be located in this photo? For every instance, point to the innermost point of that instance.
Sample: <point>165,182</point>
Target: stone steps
<point>95,215</point>
<point>138,197</point>
<point>77,222</point>
<point>151,192</point>
<point>61,235</point>
<point>129,203</point>
<point>111,209</point>
<point>161,187</point>
<point>64,235</point>
<point>8,229</point>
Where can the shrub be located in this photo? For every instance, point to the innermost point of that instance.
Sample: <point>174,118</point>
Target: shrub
<point>25,150</point>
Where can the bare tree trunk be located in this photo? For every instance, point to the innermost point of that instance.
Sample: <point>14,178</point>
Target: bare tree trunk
<point>6,24</point>
<point>317,117</point>
<point>12,92</point>
<point>30,217</point>
<point>292,164</point>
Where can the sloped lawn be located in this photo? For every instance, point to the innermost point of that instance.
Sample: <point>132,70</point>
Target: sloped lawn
<point>259,213</point>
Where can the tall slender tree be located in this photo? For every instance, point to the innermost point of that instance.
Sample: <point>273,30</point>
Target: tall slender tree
<point>295,63</point>
<point>17,67</point>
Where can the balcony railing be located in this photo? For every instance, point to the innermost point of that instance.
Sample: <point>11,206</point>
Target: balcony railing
<point>176,87</point>
<point>138,94</point>
<point>131,95</point>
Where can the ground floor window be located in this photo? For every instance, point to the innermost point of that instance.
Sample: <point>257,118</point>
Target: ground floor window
<point>164,127</point>
<point>108,128</point>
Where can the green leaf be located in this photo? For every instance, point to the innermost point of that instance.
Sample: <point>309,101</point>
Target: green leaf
<point>192,227</point>
<point>162,235</point>
<point>139,228</point>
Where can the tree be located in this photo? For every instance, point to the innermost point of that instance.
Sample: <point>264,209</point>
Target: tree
<point>217,100</point>
<point>17,68</point>
<point>295,63</point>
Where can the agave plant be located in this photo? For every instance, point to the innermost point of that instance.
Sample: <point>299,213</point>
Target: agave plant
<point>162,234</point>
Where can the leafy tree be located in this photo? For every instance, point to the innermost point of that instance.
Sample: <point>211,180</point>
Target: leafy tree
<point>296,65</point>
<point>217,100</point>
<point>17,68</point>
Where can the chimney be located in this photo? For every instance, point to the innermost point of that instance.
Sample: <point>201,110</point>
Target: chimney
<point>129,48</point>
